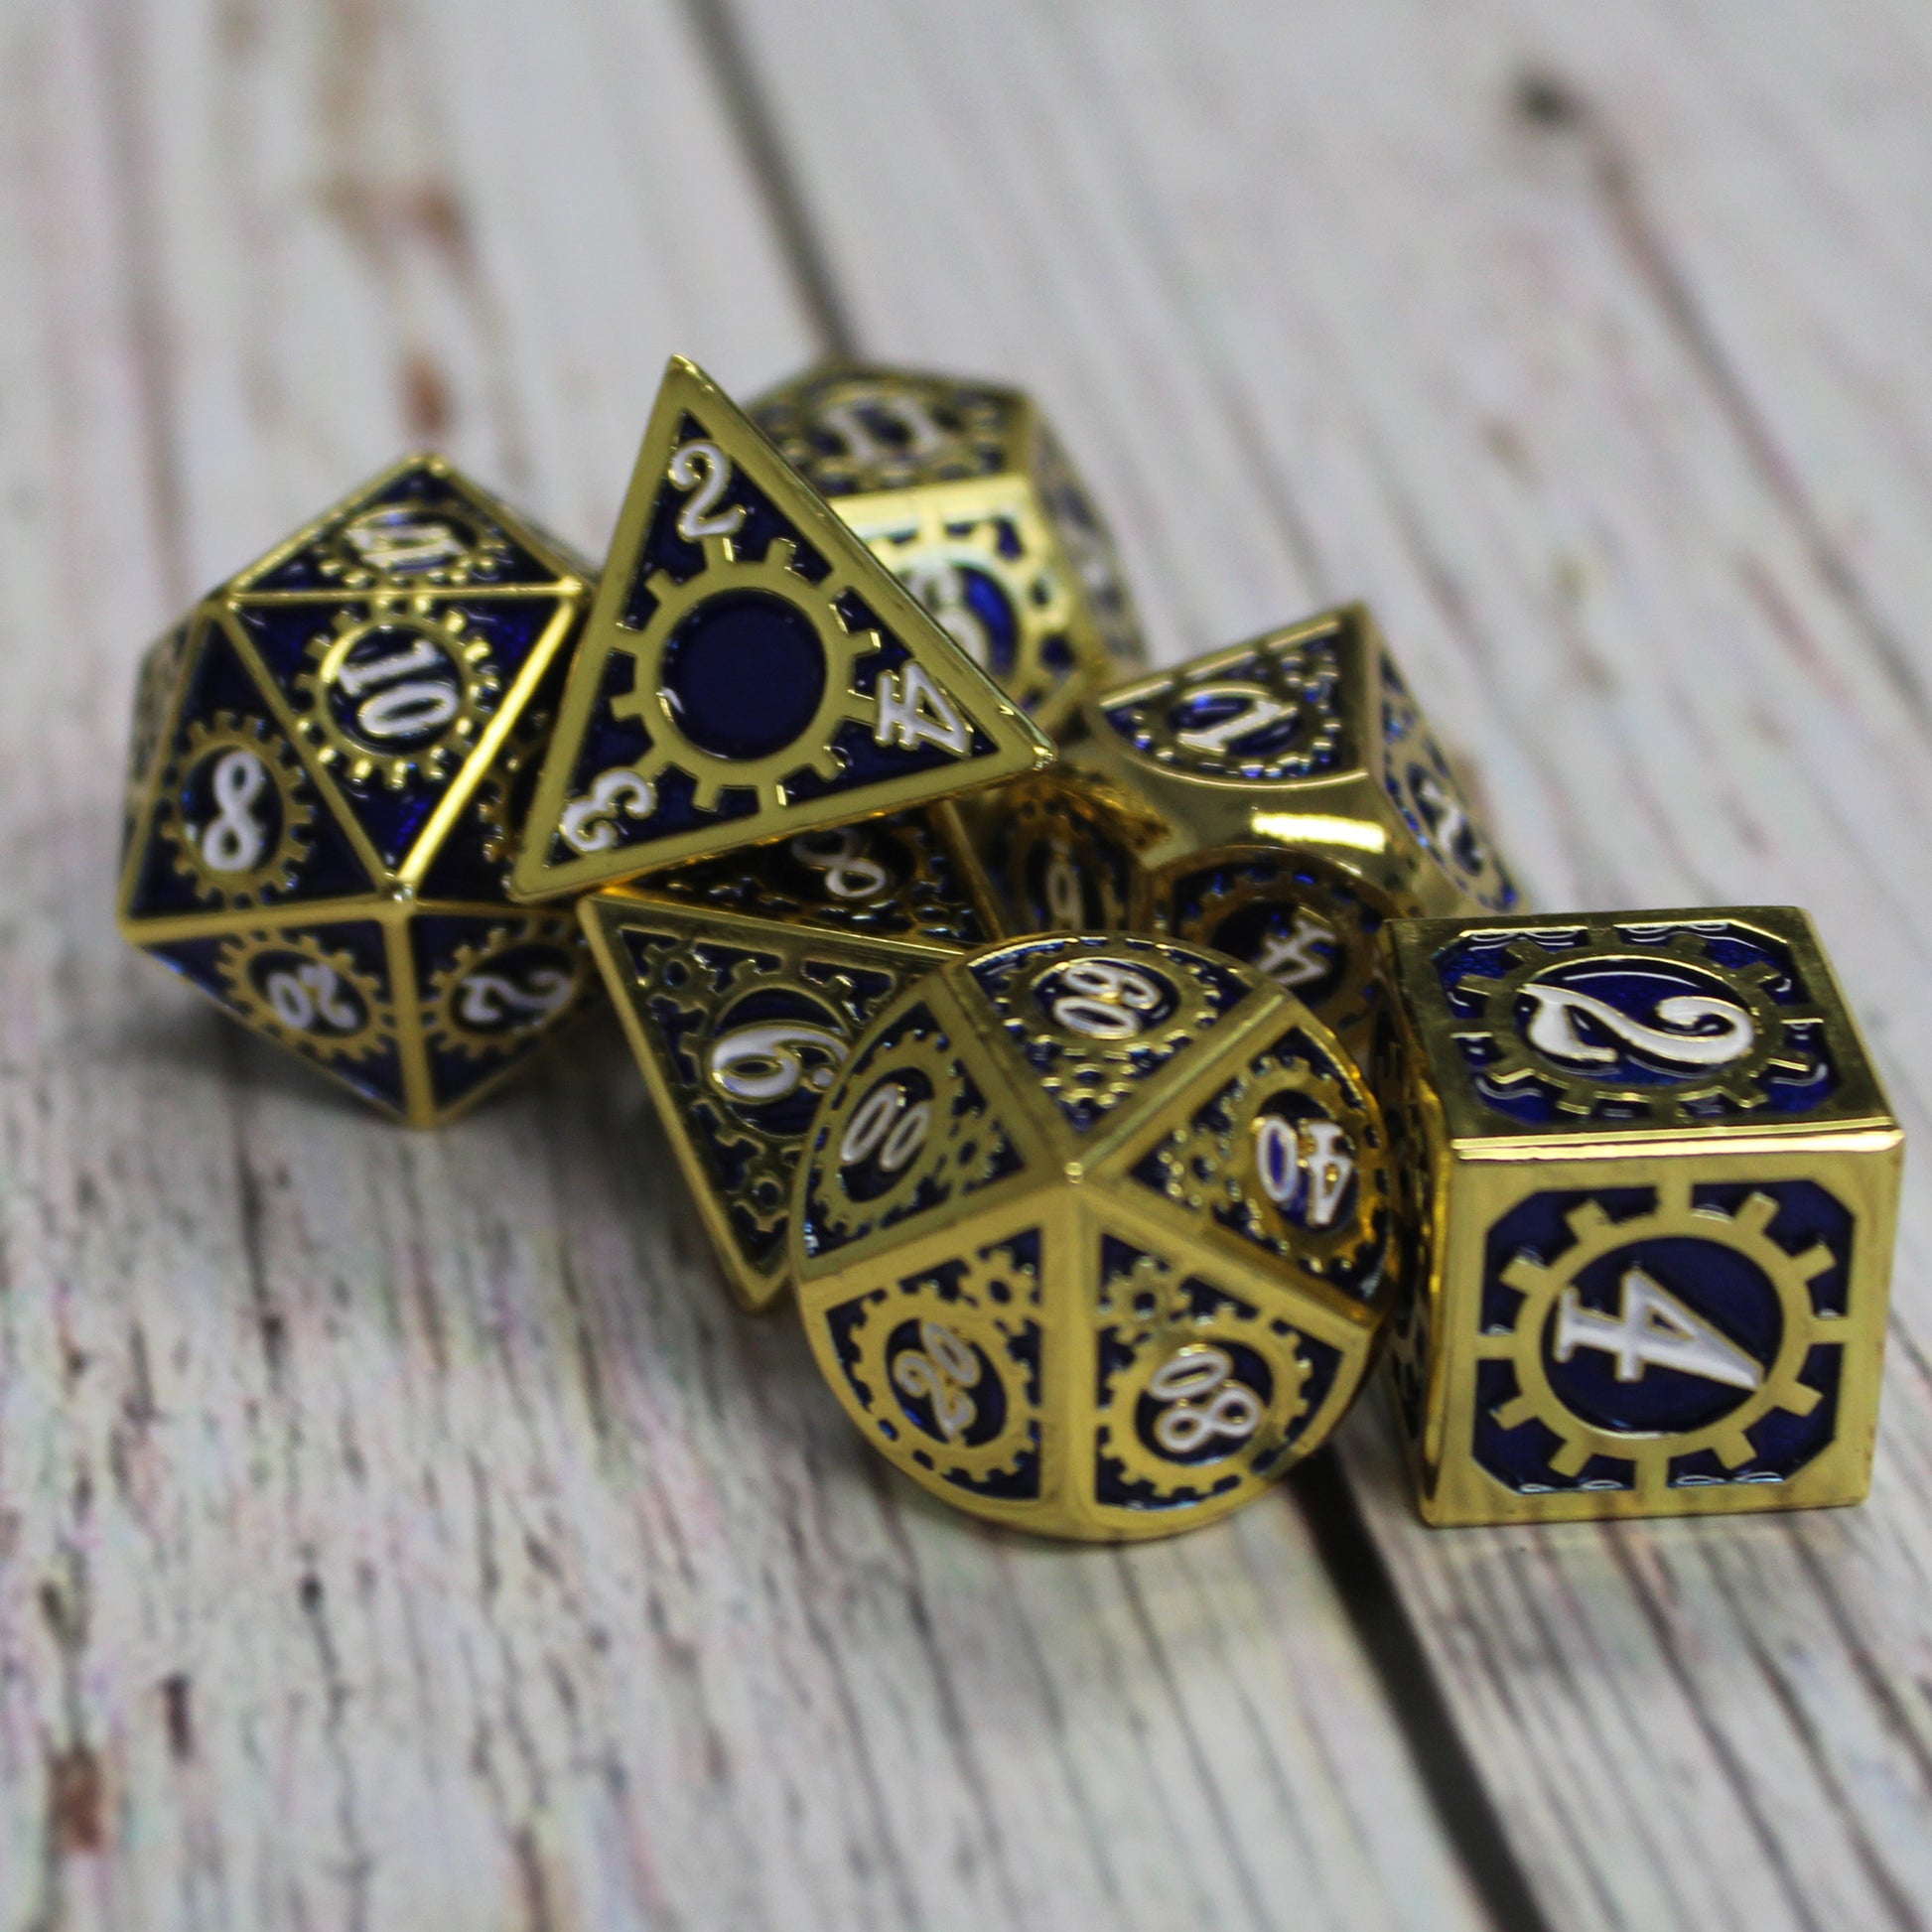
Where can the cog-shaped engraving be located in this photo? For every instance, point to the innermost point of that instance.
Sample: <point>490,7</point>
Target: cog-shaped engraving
<point>410,543</point>
<point>235,810</point>
<point>941,1364</point>
<point>851,431</point>
<point>1658,1031</point>
<point>1199,1391</point>
<point>1258,713</point>
<point>654,700</point>
<point>398,693</point>
<point>1063,857</point>
<point>293,987</point>
<point>1662,1326</point>
<point>503,796</point>
<point>1292,1154</point>
<point>517,983</point>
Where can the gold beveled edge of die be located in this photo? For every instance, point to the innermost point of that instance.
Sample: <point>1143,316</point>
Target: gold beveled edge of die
<point>1477,1132</point>
<point>1453,1491</point>
<point>686,386</point>
<point>604,915</point>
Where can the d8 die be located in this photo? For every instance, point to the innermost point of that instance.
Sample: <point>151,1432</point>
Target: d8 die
<point>1657,1181</point>
<point>330,755</point>
<point>966,495</point>
<point>750,671</point>
<point>1276,801</point>
<point>1091,1234</point>
<point>744,981</point>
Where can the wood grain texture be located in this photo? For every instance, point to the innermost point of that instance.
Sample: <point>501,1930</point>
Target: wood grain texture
<point>1589,345</point>
<point>402,1531</point>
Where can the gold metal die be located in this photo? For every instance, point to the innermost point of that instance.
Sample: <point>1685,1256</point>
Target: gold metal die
<point>1652,1184</point>
<point>1092,1234</point>
<point>745,981</point>
<point>960,489</point>
<point>750,671</point>
<point>1278,801</point>
<point>323,758</point>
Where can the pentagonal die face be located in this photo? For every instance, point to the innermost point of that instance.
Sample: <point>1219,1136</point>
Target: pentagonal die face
<point>1664,1179</point>
<point>961,491</point>
<point>1277,802</point>
<point>327,765</point>
<point>1091,1235</point>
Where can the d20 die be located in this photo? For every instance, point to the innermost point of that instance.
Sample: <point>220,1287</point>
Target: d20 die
<point>1091,1234</point>
<point>750,671</point>
<point>962,491</point>
<point>1276,801</point>
<point>744,983</point>
<point>1657,1180</point>
<point>327,759</point>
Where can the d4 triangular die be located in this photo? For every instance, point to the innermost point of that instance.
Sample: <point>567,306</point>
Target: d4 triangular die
<point>749,670</point>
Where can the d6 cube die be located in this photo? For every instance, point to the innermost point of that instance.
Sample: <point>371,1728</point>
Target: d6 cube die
<point>1657,1180</point>
<point>1277,802</point>
<point>743,983</point>
<point>329,759</point>
<point>962,491</point>
<point>1091,1234</point>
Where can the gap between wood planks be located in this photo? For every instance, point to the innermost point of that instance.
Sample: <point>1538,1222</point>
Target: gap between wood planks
<point>1319,1489</point>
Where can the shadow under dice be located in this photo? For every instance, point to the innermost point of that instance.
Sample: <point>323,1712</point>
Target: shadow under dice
<point>1661,1179</point>
<point>964,493</point>
<point>329,757</point>
<point>1091,1234</point>
<point>1277,802</point>
<point>744,983</point>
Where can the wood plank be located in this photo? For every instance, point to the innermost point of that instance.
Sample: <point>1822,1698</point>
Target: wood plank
<point>402,1531</point>
<point>1347,300</point>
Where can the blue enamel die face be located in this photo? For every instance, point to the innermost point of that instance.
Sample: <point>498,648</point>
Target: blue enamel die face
<point>1656,1218</point>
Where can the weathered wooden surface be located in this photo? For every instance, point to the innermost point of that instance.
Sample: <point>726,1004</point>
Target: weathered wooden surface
<point>401,1531</point>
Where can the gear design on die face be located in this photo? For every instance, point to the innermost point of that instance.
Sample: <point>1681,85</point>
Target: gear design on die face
<point>940,1365</point>
<point>495,996</point>
<point>235,812</point>
<point>1560,1019</point>
<point>1313,1187</point>
<point>503,797</point>
<point>443,544</point>
<point>395,694</point>
<point>1207,1394</point>
<point>1423,791</point>
<point>715,746</point>
<point>299,991</point>
<point>1554,1323</point>
<point>855,433</point>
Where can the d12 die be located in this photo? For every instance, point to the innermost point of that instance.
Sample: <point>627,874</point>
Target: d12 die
<point>965,494</point>
<point>744,981</point>
<point>750,671</point>
<point>1091,1234</point>
<point>1276,801</point>
<point>330,753</point>
<point>1657,1183</point>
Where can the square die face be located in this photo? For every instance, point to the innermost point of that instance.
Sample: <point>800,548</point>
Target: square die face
<point>1697,1022</point>
<point>1662,1338</point>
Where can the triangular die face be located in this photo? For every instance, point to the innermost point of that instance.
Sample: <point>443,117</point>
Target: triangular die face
<point>421,527</point>
<point>491,991</point>
<point>324,992</point>
<point>750,671</point>
<point>1098,1023</point>
<point>394,697</point>
<point>1280,710</point>
<point>238,822</point>
<point>740,1028</point>
<point>894,877</point>
<point>852,429</point>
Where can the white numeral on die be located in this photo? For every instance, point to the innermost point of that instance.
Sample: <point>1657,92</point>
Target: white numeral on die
<point>914,711</point>
<point>1190,1421</point>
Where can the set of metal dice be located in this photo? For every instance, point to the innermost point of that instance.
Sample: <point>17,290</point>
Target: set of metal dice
<point>1114,1062</point>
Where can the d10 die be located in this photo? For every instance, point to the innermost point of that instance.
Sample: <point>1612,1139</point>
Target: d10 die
<point>330,753</point>
<point>965,494</point>
<point>1657,1180</point>
<point>1276,801</point>
<point>750,671</point>
<point>744,981</point>
<point>1091,1234</point>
